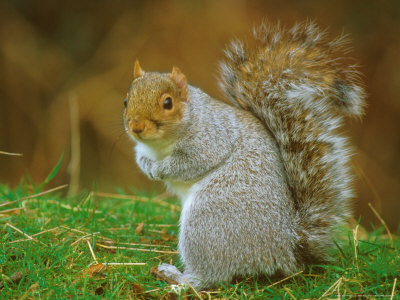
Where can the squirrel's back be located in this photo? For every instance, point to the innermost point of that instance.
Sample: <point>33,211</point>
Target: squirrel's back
<point>300,84</point>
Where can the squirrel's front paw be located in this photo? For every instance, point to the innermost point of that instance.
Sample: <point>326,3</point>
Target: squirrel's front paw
<point>156,174</point>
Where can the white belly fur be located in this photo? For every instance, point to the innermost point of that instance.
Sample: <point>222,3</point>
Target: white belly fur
<point>182,189</point>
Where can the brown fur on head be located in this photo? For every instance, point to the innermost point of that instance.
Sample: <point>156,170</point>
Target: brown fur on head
<point>155,104</point>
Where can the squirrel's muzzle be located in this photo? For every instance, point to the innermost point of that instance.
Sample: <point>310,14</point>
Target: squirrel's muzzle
<point>137,126</point>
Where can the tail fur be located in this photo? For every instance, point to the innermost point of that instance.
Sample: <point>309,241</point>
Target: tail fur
<point>301,85</point>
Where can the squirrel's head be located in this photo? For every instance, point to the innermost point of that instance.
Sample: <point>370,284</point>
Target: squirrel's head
<point>154,104</point>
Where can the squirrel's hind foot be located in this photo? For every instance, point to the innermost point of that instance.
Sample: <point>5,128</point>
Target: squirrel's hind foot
<point>171,274</point>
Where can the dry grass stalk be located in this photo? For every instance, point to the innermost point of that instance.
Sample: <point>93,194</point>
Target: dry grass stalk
<point>30,289</point>
<point>86,199</point>
<point>86,234</point>
<point>355,238</point>
<point>128,227</point>
<point>10,211</point>
<point>289,293</point>
<point>84,237</point>
<point>138,244</point>
<point>73,229</point>
<point>75,209</point>
<point>382,222</point>
<point>124,264</point>
<point>150,291</point>
<point>35,195</point>
<point>194,290</point>
<point>393,289</point>
<point>333,287</point>
<point>163,225</point>
<point>23,233</point>
<point>91,251</point>
<point>136,249</point>
<point>156,231</point>
<point>284,279</point>
<point>36,234</point>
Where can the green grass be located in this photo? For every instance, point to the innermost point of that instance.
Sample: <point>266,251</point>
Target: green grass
<point>58,263</point>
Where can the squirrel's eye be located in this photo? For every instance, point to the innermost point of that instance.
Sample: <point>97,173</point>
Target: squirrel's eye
<point>167,103</point>
<point>125,102</point>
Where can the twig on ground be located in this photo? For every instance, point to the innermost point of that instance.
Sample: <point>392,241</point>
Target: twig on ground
<point>35,195</point>
<point>124,264</point>
<point>137,249</point>
<point>12,210</point>
<point>156,231</point>
<point>129,227</point>
<point>91,251</point>
<point>162,225</point>
<point>138,244</point>
<point>75,209</point>
<point>393,289</point>
<point>150,291</point>
<point>23,233</point>
<point>36,234</point>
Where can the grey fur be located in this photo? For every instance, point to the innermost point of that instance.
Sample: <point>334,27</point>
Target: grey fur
<point>238,217</point>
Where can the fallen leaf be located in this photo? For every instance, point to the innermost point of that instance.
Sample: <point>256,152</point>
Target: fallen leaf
<point>99,291</point>
<point>139,228</point>
<point>95,270</point>
<point>167,237</point>
<point>14,278</point>
<point>137,288</point>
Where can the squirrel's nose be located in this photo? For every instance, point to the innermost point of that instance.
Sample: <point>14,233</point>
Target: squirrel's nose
<point>137,126</point>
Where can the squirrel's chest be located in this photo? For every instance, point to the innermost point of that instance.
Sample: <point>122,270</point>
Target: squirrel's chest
<point>154,153</point>
<point>183,189</point>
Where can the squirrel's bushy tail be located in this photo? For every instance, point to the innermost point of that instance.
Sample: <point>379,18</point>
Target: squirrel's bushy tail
<point>300,84</point>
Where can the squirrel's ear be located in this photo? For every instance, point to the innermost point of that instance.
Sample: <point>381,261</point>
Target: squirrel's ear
<point>137,71</point>
<point>180,79</point>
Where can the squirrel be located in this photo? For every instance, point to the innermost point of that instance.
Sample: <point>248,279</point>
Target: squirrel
<point>264,180</point>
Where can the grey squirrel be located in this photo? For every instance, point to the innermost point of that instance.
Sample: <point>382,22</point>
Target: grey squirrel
<point>264,181</point>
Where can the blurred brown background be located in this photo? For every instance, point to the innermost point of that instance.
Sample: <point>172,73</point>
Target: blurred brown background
<point>53,53</point>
